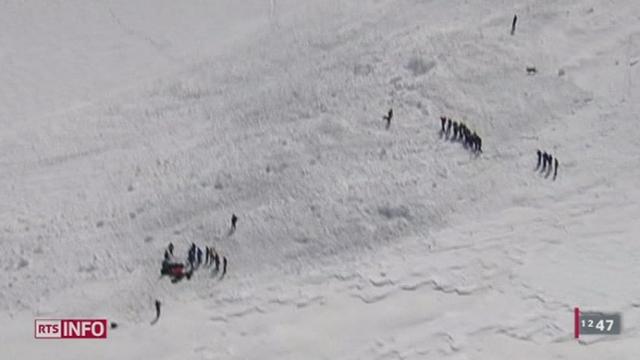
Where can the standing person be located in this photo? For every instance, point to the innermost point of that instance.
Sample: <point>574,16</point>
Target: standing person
<point>234,221</point>
<point>545,158</point>
<point>209,255</point>
<point>191,256</point>
<point>443,121</point>
<point>224,265</point>
<point>198,256</point>
<point>168,253</point>
<point>555,171</point>
<point>474,141</point>
<point>464,133</point>
<point>216,260</point>
<point>539,159</point>
<point>550,165</point>
<point>388,118</point>
<point>157,304</point>
<point>513,24</point>
<point>455,131</point>
<point>448,127</point>
<point>468,141</point>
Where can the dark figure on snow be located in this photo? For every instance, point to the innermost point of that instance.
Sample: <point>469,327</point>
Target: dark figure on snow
<point>449,122</point>
<point>208,255</point>
<point>168,253</point>
<point>199,256</point>
<point>476,142</point>
<point>443,121</point>
<point>216,261</point>
<point>468,141</point>
<point>224,265</point>
<point>464,135</point>
<point>191,256</point>
<point>539,159</point>
<point>388,118</point>
<point>455,131</point>
<point>157,304</point>
<point>234,221</point>
<point>513,24</point>
<point>555,171</point>
<point>549,168</point>
<point>547,161</point>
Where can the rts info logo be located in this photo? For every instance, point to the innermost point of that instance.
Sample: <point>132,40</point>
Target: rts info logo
<point>70,329</point>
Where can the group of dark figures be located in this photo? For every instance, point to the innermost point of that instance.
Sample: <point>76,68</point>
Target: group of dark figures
<point>455,131</point>
<point>178,270</point>
<point>546,163</point>
<point>458,131</point>
<point>451,130</point>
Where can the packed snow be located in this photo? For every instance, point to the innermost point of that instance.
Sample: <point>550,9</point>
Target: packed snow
<point>128,125</point>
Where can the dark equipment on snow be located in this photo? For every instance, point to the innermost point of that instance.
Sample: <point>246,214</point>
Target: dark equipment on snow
<point>176,271</point>
<point>513,24</point>
<point>531,70</point>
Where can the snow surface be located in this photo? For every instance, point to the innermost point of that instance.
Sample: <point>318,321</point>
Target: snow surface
<point>127,125</point>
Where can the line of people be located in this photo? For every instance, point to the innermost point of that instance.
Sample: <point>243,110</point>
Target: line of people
<point>546,163</point>
<point>458,131</point>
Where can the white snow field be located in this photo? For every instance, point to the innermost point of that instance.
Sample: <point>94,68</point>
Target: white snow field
<point>129,124</point>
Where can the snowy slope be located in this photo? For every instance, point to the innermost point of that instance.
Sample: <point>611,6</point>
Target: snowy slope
<point>132,124</point>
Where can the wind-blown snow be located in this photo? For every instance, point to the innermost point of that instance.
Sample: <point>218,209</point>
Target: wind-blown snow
<point>131,124</point>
